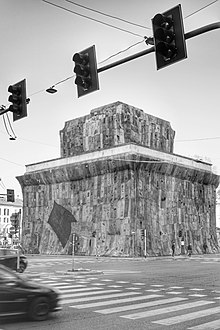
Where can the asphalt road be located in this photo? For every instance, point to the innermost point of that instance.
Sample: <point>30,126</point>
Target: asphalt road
<point>118,293</point>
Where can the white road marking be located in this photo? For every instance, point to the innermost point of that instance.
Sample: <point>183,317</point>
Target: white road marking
<point>197,295</point>
<point>167,310</point>
<point>116,301</point>
<point>66,286</point>
<point>213,325</point>
<point>80,289</point>
<point>105,296</point>
<point>140,305</point>
<point>195,289</point>
<point>174,292</point>
<point>153,290</point>
<point>189,316</point>
<point>72,295</point>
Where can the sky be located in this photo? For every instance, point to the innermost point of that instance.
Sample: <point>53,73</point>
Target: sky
<point>38,41</point>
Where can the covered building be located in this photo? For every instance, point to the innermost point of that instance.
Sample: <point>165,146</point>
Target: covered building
<point>116,176</point>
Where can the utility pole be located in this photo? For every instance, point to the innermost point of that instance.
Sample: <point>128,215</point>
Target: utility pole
<point>73,243</point>
<point>145,243</point>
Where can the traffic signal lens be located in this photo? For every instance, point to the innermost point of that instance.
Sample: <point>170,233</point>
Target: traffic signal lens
<point>168,51</point>
<point>81,58</point>
<point>15,99</point>
<point>164,35</point>
<point>81,71</point>
<point>84,83</point>
<point>14,89</point>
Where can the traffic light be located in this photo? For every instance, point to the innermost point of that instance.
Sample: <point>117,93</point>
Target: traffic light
<point>169,40</point>
<point>18,100</point>
<point>10,195</point>
<point>86,71</point>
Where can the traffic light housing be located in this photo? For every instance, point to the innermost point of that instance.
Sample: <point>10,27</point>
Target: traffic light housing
<point>18,100</point>
<point>86,71</point>
<point>169,40</point>
<point>10,195</point>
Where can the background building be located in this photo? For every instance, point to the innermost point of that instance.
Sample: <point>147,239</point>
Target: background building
<point>118,175</point>
<point>7,212</point>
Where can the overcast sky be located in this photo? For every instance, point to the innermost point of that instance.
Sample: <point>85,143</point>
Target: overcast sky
<point>38,41</point>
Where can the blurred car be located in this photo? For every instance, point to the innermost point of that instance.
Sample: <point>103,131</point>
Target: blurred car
<point>8,258</point>
<point>21,296</point>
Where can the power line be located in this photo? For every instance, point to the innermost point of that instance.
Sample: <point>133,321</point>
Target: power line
<point>209,4</point>
<point>93,19</point>
<point>121,51</point>
<point>6,160</point>
<point>200,139</point>
<point>108,15</point>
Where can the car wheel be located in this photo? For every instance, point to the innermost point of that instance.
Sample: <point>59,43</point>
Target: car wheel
<point>39,309</point>
<point>22,267</point>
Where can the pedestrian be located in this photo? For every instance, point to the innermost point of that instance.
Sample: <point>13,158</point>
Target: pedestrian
<point>189,250</point>
<point>205,247</point>
<point>173,249</point>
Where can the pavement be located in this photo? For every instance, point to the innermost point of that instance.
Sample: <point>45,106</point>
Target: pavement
<point>148,258</point>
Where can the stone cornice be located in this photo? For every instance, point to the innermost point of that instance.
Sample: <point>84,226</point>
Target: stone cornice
<point>130,156</point>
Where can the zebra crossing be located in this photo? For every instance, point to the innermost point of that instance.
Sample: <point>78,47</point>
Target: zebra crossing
<point>157,303</point>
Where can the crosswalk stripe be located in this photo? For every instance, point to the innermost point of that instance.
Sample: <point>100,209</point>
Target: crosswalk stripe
<point>213,325</point>
<point>167,310</point>
<point>105,296</point>
<point>116,301</point>
<point>80,289</point>
<point>72,295</point>
<point>189,316</point>
<point>140,305</point>
<point>66,286</point>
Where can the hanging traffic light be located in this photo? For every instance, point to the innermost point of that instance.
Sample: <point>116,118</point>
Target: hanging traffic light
<point>86,71</point>
<point>18,100</point>
<point>10,195</point>
<point>169,40</point>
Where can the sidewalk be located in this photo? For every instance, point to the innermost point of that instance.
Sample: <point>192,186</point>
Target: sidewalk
<point>148,258</point>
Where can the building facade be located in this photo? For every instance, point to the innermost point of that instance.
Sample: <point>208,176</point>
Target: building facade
<point>116,176</point>
<point>7,212</point>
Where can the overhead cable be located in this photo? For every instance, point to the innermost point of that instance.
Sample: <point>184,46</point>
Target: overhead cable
<point>108,15</point>
<point>93,19</point>
<point>209,4</point>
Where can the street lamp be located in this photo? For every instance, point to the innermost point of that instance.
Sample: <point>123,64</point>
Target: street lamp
<point>51,90</point>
